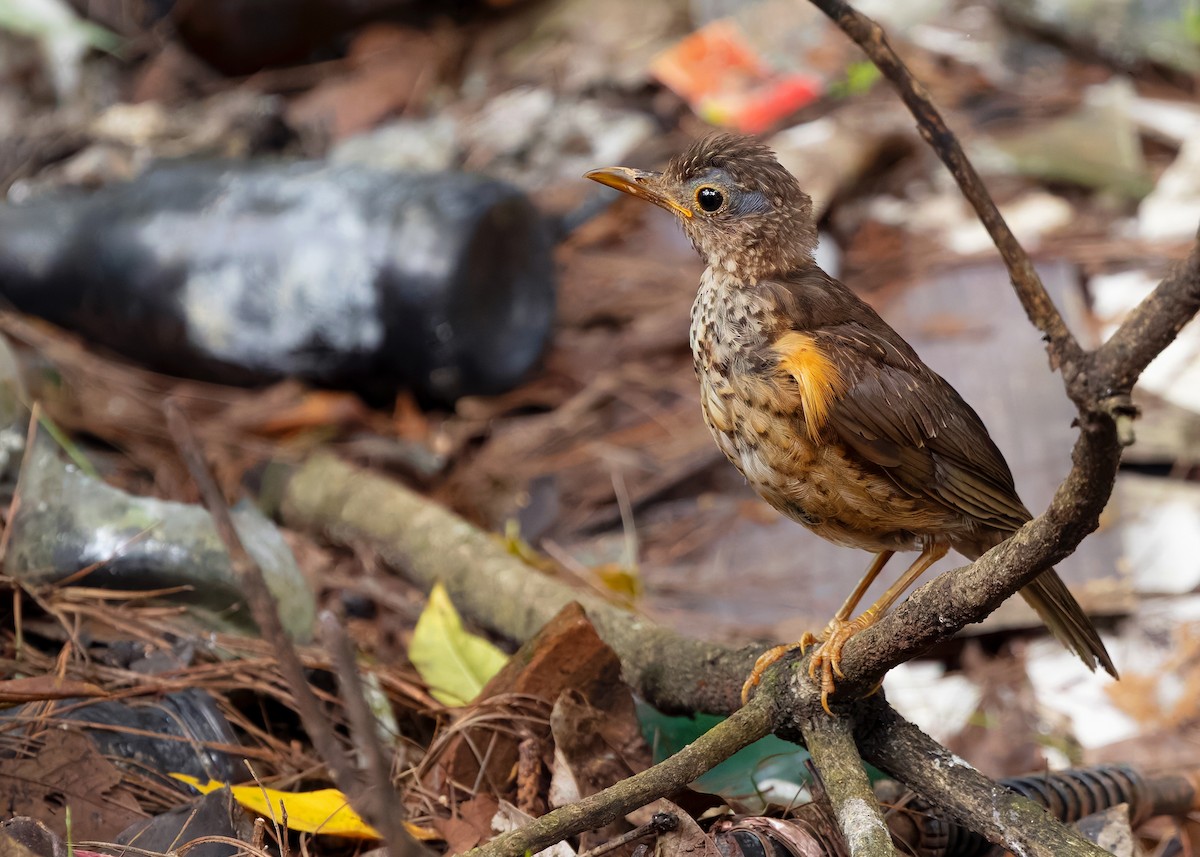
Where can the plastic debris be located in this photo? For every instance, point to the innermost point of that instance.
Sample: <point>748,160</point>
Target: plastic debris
<point>173,733</point>
<point>1172,209</point>
<point>719,73</point>
<point>441,282</point>
<point>1160,533</point>
<point>69,523</point>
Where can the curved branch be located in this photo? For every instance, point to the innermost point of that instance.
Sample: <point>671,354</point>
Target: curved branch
<point>1065,351</point>
<point>743,728</point>
<point>1149,328</point>
<point>966,595</point>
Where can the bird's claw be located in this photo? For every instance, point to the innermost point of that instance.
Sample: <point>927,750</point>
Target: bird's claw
<point>807,639</point>
<point>768,658</point>
<point>828,658</point>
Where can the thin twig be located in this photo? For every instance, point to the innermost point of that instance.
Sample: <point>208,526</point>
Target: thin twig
<point>660,822</point>
<point>386,809</point>
<point>262,603</point>
<point>830,740</point>
<point>266,615</point>
<point>868,35</point>
<point>667,777</point>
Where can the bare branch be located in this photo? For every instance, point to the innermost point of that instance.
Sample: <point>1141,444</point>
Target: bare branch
<point>266,615</point>
<point>1150,328</point>
<point>1064,350</point>
<point>744,727</point>
<point>831,742</point>
<point>485,581</point>
<point>965,595</point>
<point>386,808</point>
<point>946,781</point>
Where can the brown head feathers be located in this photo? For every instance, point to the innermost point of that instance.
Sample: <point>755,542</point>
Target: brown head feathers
<point>745,214</point>
<point>751,219</point>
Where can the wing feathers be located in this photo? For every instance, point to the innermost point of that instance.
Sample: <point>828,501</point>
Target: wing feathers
<point>894,411</point>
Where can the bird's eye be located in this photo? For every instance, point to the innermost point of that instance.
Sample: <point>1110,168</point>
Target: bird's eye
<point>709,199</point>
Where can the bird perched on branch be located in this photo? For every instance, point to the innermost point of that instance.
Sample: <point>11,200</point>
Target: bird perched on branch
<point>829,414</point>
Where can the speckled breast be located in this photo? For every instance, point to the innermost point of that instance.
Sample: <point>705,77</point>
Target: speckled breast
<point>755,417</point>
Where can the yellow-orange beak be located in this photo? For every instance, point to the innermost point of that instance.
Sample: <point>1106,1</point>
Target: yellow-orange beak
<point>639,183</point>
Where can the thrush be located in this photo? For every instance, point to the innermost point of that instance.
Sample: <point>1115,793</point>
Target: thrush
<point>825,409</point>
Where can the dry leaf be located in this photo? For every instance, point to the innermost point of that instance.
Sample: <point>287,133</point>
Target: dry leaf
<point>69,773</point>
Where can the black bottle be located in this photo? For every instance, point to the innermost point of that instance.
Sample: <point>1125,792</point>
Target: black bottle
<point>246,273</point>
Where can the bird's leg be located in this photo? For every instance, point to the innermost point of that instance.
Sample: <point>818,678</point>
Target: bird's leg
<point>843,614</point>
<point>769,657</point>
<point>828,658</point>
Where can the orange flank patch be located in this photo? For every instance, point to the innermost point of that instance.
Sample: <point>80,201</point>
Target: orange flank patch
<point>818,380</point>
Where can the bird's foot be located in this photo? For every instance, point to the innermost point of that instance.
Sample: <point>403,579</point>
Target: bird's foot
<point>828,658</point>
<point>767,660</point>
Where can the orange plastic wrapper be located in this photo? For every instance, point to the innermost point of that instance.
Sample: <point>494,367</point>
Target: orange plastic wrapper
<point>719,74</point>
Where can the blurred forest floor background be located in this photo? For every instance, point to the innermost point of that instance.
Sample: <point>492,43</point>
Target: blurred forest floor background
<point>596,467</point>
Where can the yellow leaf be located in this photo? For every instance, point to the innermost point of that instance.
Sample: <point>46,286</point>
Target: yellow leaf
<point>320,811</point>
<point>422,833</point>
<point>523,550</point>
<point>453,662</point>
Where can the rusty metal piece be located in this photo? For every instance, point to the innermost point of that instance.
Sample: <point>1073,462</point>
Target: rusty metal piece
<point>810,833</point>
<point>1067,795</point>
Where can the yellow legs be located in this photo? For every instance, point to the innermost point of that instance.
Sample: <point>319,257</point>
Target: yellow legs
<point>841,628</point>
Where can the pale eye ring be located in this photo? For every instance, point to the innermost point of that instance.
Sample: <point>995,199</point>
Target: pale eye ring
<point>709,199</point>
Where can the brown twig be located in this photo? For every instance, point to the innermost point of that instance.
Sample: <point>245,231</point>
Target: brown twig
<point>266,615</point>
<point>667,777</point>
<point>262,603</point>
<point>386,809</point>
<point>1065,351</point>
<point>661,822</point>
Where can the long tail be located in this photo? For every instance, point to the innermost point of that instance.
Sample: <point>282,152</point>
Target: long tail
<point>1058,609</point>
<point>1048,595</point>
